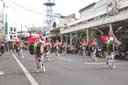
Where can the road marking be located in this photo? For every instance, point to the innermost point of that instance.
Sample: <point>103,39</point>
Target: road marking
<point>96,63</point>
<point>65,59</point>
<point>1,72</point>
<point>28,75</point>
<point>89,63</point>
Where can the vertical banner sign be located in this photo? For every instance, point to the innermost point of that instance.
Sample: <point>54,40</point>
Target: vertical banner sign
<point>6,27</point>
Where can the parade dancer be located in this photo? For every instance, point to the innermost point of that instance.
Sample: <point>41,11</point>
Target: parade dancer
<point>64,48</point>
<point>57,47</point>
<point>110,43</point>
<point>36,47</point>
<point>18,45</point>
<point>47,49</point>
<point>82,48</point>
<point>92,50</point>
<point>40,57</point>
<point>52,46</point>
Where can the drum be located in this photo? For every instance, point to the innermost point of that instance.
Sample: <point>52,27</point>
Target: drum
<point>40,49</point>
<point>56,47</point>
<point>63,48</point>
<point>47,48</point>
<point>18,48</point>
<point>92,48</point>
<point>36,48</point>
<point>31,49</point>
<point>107,47</point>
<point>82,48</point>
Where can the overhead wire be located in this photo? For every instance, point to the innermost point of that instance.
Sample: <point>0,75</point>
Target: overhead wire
<point>30,10</point>
<point>22,17</point>
<point>27,9</point>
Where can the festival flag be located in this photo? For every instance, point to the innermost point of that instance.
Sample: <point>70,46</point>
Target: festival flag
<point>81,36</point>
<point>118,29</point>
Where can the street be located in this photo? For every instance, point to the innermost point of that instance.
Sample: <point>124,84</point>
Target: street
<point>61,70</point>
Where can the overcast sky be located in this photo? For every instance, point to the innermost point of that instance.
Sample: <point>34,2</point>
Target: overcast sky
<point>17,14</point>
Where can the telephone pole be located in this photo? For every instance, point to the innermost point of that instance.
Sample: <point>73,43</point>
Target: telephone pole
<point>2,17</point>
<point>4,21</point>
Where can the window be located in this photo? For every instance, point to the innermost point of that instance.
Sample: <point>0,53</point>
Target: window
<point>11,28</point>
<point>14,29</point>
<point>10,36</point>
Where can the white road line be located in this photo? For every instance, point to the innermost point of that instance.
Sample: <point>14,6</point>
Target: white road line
<point>89,63</point>
<point>65,59</point>
<point>28,75</point>
<point>1,72</point>
<point>96,63</point>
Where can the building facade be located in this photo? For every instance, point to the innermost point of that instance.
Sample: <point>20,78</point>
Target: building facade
<point>99,17</point>
<point>59,23</point>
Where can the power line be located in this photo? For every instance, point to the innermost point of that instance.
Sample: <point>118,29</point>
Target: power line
<point>30,10</point>
<point>27,9</point>
<point>19,14</point>
<point>22,17</point>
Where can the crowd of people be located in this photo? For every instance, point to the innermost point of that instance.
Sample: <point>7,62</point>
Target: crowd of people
<point>40,47</point>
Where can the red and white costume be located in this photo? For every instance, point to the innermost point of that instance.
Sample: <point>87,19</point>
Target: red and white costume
<point>57,44</point>
<point>18,44</point>
<point>38,58</point>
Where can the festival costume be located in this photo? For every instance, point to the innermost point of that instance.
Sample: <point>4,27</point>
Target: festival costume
<point>18,45</point>
<point>46,50</point>
<point>82,48</point>
<point>64,48</point>
<point>92,49</point>
<point>57,48</point>
<point>108,49</point>
<point>36,48</point>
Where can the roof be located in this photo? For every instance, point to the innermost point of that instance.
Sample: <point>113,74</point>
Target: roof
<point>90,5</point>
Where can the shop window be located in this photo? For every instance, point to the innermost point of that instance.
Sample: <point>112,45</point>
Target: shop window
<point>11,28</point>
<point>10,36</point>
<point>14,36</point>
<point>14,29</point>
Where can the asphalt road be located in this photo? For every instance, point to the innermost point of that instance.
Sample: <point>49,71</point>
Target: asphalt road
<point>61,70</point>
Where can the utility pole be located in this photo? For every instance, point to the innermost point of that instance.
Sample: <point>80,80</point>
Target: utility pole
<point>3,5</point>
<point>21,29</point>
<point>1,73</point>
<point>4,21</point>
